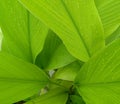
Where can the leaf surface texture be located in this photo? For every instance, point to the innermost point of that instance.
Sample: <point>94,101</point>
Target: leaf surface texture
<point>19,79</point>
<point>98,82</point>
<point>76,29</point>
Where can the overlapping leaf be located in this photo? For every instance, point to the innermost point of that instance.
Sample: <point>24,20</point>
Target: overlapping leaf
<point>109,11</point>
<point>68,72</point>
<point>72,21</point>
<point>98,81</point>
<point>55,96</point>
<point>54,54</point>
<point>113,36</point>
<point>24,35</point>
<point>19,79</point>
<point>77,99</point>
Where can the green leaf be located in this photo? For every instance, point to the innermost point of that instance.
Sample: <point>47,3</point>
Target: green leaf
<point>54,54</point>
<point>77,99</point>
<point>109,11</point>
<point>55,96</point>
<point>24,35</point>
<point>99,2</point>
<point>19,79</point>
<point>68,72</point>
<point>78,31</point>
<point>113,36</point>
<point>38,34</point>
<point>98,82</point>
<point>1,37</point>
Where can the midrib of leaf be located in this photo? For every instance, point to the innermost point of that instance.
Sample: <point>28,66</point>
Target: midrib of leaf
<point>98,84</point>
<point>102,83</point>
<point>29,35</point>
<point>20,80</point>
<point>77,30</point>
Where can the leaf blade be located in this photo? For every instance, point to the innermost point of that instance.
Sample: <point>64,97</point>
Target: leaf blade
<point>19,79</point>
<point>109,13</point>
<point>54,54</point>
<point>59,11</point>
<point>68,72</point>
<point>52,96</point>
<point>98,81</point>
<point>22,33</point>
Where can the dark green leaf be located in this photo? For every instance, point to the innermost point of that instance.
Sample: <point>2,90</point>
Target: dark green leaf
<point>77,99</point>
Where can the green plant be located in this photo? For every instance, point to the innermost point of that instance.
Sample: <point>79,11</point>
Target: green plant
<point>60,52</point>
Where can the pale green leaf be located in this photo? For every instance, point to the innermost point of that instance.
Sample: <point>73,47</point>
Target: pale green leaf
<point>98,82</point>
<point>68,72</point>
<point>19,79</point>
<point>55,96</point>
<point>77,30</point>
<point>109,11</point>
<point>24,35</point>
<point>54,54</point>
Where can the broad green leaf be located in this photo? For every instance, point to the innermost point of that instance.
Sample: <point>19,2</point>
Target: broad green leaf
<point>109,11</point>
<point>1,37</point>
<point>98,82</point>
<point>77,99</point>
<point>113,36</point>
<point>54,54</point>
<point>19,79</point>
<point>55,96</point>
<point>38,34</point>
<point>24,35</point>
<point>68,72</point>
<point>76,29</point>
<point>99,2</point>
